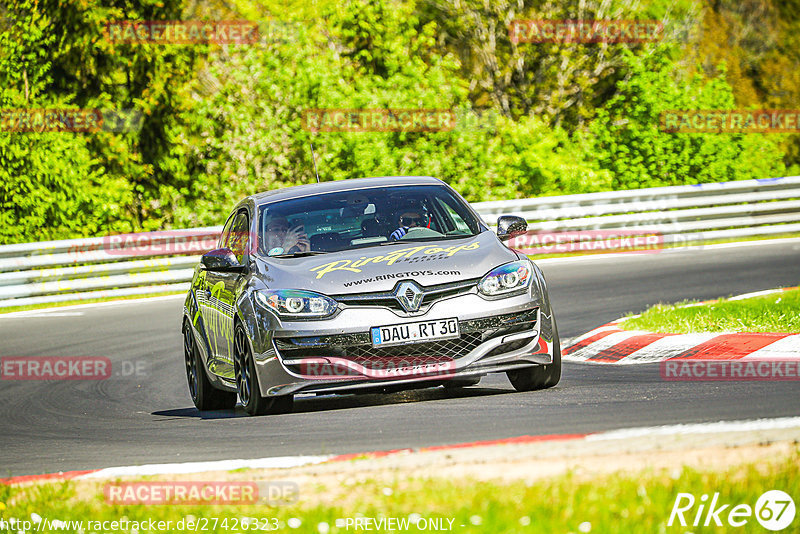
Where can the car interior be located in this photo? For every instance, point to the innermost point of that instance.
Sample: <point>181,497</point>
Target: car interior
<point>340,221</point>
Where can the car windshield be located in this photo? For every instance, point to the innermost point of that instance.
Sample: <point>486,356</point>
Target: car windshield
<point>368,217</point>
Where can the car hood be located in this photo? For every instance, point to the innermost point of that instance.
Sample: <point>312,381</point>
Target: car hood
<point>379,268</point>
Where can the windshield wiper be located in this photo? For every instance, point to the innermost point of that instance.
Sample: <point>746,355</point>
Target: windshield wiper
<point>299,254</point>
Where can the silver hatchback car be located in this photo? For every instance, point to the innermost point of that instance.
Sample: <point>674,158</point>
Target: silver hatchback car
<point>372,284</point>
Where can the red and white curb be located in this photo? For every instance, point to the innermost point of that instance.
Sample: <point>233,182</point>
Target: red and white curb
<point>285,462</point>
<point>611,344</point>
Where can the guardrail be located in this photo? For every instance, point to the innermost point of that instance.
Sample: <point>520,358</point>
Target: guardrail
<point>160,262</point>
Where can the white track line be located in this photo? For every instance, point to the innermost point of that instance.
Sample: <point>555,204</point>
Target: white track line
<point>280,462</point>
<point>699,428</point>
<point>44,313</point>
<point>52,312</point>
<point>756,294</point>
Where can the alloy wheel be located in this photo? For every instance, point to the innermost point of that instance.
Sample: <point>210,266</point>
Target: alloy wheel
<point>244,380</point>
<point>191,362</point>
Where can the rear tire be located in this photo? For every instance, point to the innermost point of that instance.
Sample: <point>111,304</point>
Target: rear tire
<point>244,368</point>
<point>204,395</point>
<point>541,376</point>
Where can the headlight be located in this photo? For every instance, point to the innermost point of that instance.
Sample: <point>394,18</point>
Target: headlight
<point>513,277</point>
<point>296,303</point>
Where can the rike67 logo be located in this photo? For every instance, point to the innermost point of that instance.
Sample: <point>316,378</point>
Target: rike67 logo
<point>774,510</point>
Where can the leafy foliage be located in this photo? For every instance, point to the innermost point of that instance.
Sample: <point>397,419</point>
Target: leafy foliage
<point>52,184</point>
<point>629,142</point>
<point>223,121</point>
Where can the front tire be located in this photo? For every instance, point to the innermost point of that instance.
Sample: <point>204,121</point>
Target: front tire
<point>204,395</point>
<point>541,376</point>
<point>247,382</point>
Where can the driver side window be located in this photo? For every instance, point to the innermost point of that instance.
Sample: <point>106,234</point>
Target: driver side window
<point>238,238</point>
<point>226,230</point>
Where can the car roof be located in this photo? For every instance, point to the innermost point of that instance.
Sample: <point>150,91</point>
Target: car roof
<point>353,184</point>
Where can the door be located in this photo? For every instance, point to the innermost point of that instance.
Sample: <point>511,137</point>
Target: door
<point>220,293</point>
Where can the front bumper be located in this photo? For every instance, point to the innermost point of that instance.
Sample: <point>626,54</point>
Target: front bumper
<point>336,355</point>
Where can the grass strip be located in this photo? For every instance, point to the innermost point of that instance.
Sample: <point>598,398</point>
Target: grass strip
<point>622,502</point>
<point>776,312</point>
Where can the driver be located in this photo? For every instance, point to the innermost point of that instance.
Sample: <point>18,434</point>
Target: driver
<point>411,218</point>
<point>280,239</point>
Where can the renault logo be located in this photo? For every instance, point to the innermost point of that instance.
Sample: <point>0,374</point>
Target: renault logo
<point>409,295</point>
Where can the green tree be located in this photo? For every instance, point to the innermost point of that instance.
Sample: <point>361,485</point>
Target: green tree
<point>629,142</point>
<point>51,184</point>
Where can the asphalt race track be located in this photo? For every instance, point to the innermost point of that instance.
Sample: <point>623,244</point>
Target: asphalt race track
<point>149,418</point>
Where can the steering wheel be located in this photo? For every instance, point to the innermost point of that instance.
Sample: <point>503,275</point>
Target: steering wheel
<point>419,232</point>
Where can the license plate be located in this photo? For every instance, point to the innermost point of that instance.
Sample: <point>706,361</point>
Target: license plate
<point>398,334</point>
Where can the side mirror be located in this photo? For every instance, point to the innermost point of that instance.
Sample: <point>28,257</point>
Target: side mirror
<point>509,226</point>
<point>221,260</point>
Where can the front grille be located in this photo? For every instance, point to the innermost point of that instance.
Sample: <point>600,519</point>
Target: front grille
<point>387,299</point>
<point>357,348</point>
<point>445,349</point>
